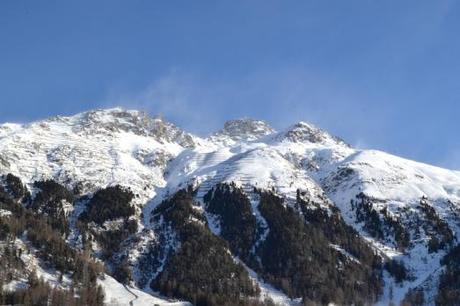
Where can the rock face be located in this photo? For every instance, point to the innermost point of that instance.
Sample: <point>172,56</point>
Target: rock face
<point>278,203</point>
<point>242,130</point>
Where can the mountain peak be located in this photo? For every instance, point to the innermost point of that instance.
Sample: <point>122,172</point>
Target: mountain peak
<point>307,132</point>
<point>242,178</point>
<point>244,129</point>
<point>119,120</point>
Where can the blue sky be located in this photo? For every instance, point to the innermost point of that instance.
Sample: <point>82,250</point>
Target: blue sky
<point>380,74</point>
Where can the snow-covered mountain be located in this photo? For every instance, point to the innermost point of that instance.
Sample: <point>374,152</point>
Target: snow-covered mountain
<point>406,213</point>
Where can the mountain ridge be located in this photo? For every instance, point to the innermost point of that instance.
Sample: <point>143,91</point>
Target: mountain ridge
<point>380,196</point>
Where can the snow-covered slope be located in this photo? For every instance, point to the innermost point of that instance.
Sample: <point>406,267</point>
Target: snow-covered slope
<point>154,158</point>
<point>400,187</point>
<point>94,149</point>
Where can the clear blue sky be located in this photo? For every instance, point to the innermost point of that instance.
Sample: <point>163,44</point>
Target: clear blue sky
<point>380,74</point>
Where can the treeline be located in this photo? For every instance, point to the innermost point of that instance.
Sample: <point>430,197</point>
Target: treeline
<point>110,204</point>
<point>338,232</point>
<point>50,201</point>
<point>441,236</point>
<point>297,257</point>
<point>16,188</point>
<point>380,224</point>
<point>237,222</point>
<point>44,231</point>
<point>201,270</point>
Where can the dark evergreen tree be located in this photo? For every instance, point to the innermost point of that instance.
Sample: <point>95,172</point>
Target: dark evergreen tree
<point>449,282</point>
<point>238,224</point>
<point>50,201</point>
<point>108,204</point>
<point>298,258</point>
<point>201,270</point>
<point>52,249</point>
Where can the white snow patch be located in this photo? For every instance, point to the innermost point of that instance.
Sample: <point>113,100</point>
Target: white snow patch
<point>118,294</point>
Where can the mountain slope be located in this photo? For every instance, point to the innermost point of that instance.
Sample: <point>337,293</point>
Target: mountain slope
<point>373,213</point>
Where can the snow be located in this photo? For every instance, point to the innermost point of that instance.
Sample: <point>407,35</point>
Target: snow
<point>396,184</point>
<point>33,263</point>
<point>5,213</point>
<point>214,223</point>
<point>118,294</point>
<point>404,180</point>
<point>342,251</point>
<point>60,148</point>
<point>268,291</point>
<point>115,292</point>
<point>261,222</point>
<point>154,158</point>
